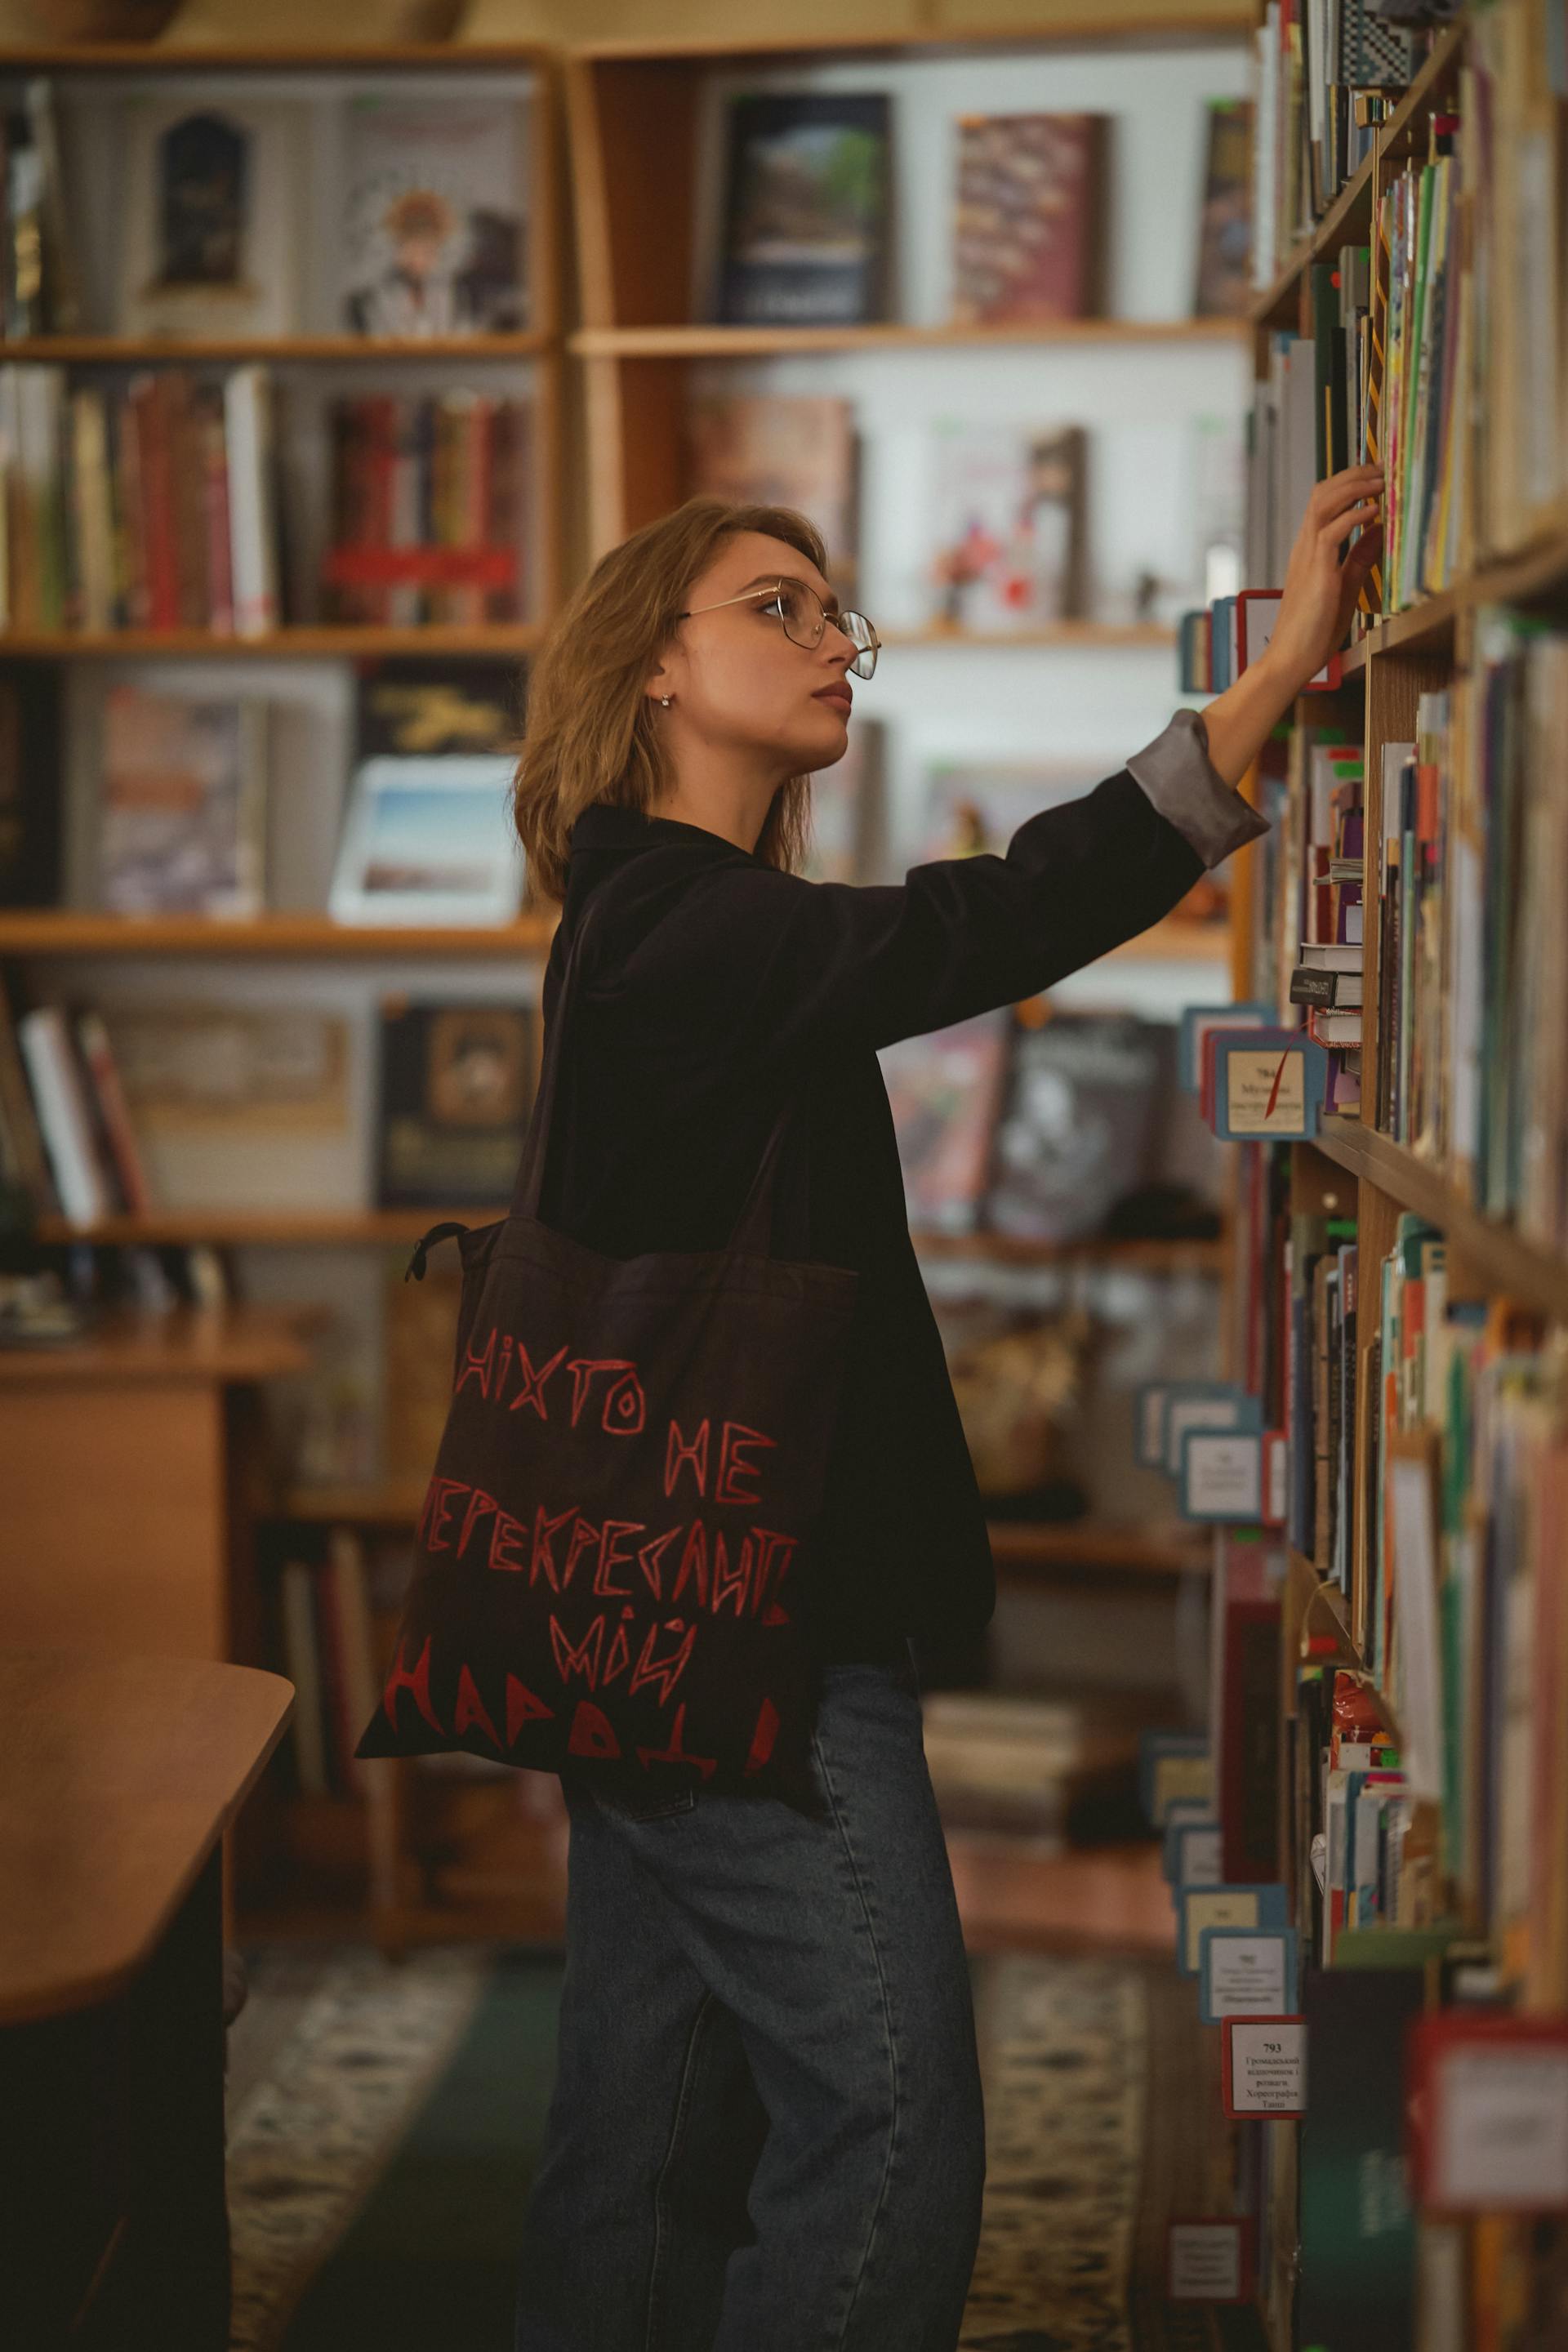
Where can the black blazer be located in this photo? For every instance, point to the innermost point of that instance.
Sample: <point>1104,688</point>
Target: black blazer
<point>713,982</point>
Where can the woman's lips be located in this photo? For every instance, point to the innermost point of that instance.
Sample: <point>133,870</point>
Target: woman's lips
<point>839,696</point>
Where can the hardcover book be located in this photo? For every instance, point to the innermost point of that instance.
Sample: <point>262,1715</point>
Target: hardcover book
<point>1029,218</point>
<point>1224,228</point>
<point>457,1085</point>
<point>211,229</point>
<point>806,236</point>
<point>433,218</point>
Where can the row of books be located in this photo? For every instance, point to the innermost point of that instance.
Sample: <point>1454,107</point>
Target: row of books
<point>1043,1125</point>
<point>145,504</point>
<point>429,510</point>
<point>151,500</point>
<point>1325,73</point>
<point>1502,1121</point>
<point>1307,947</point>
<point>807,231</point>
<point>1465,869</point>
<point>218,203</point>
<point>1408,1898</point>
<point>1422,352</point>
<point>105,1114</point>
<point>99,1110</point>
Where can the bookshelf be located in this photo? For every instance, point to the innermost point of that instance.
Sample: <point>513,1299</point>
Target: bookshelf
<point>430,1849</point>
<point>306,663</point>
<point>639,120</point>
<point>1399,1298</point>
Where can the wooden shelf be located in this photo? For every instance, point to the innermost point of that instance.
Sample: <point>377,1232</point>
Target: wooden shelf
<point>705,341</point>
<point>59,931</point>
<point>375,1228</point>
<point>290,643</point>
<point>143,351</point>
<point>1089,30</point>
<point>1133,1547</point>
<point>238,1342</point>
<point>261,1228</point>
<point>283,57</point>
<point>1074,633</point>
<point>1191,1256</point>
<point>1175,941</point>
<point>53,931</point>
<point>393,1504</point>
<point>1517,1266</point>
<point>1344,216</point>
<point>1538,570</point>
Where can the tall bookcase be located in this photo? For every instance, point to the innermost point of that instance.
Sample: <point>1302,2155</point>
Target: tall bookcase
<point>1447,2268</point>
<point>639,123</point>
<point>293,951</point>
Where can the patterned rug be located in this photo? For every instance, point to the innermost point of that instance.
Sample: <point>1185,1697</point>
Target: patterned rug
<point>384,2118</point>
<point>329,2060</point>
<point>1062,2049</point>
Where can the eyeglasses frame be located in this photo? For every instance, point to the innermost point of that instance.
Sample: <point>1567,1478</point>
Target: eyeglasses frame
<point>829,620</point>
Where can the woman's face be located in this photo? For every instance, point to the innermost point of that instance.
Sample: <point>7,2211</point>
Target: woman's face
<point>738,684</point>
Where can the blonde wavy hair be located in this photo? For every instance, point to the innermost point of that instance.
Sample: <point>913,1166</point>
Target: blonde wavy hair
<point>591,733</point>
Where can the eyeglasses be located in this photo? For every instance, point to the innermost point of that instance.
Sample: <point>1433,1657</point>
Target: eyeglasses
<point>803,617</point>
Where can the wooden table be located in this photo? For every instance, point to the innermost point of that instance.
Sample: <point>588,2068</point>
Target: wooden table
<point>131,1462</point>
<point>118,1778</point>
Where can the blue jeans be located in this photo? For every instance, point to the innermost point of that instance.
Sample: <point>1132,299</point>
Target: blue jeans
<point>766,2133</point>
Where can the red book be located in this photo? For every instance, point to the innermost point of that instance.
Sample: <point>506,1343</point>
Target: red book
<point>155,519</point>
<point>187,517</point>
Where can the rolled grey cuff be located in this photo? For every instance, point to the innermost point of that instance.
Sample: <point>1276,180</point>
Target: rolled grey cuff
<point>1189,791</point>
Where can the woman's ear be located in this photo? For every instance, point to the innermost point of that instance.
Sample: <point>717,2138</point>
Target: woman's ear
<point>657,686</point>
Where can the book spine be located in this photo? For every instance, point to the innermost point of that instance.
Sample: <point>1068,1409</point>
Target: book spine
<point>62,1114</point>
<point>98,1059</point>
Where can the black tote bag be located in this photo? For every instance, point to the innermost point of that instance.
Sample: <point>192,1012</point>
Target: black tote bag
<point>610,1551</point>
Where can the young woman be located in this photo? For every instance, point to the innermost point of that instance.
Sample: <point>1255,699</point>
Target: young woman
<point>766,2132</point>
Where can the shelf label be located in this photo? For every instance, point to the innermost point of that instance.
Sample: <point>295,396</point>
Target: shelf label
<point>1265,2066</point>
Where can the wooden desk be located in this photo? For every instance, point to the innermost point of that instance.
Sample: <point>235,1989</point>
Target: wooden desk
<point>131,1462</point>
<point>117,1779</point>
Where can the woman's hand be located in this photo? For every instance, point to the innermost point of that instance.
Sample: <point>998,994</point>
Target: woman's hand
<point>1320,591</point>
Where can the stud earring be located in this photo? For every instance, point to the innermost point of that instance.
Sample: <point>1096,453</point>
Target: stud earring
<point>665,701</point>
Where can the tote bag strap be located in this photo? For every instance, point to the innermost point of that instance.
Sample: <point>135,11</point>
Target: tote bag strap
<point>753,1231</point>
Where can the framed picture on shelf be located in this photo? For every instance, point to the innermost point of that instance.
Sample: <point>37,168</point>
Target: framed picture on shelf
<point>428,841</point>
<point>212,228</point>
<point>433,218</point>
<point>806,233</point>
